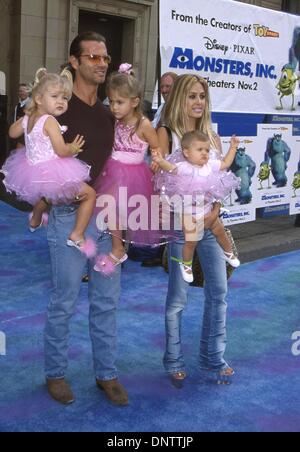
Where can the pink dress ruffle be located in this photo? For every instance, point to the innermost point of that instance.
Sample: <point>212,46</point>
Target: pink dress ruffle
<point>59,180</point>
<point>36,171</point>
<point>188,180</point>
<point>125,176</point>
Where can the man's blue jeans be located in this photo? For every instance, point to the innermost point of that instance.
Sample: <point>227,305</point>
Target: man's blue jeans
<point>67,269</point>
<point>213,336</point>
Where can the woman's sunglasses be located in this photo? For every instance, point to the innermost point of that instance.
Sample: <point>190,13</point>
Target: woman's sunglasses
<point>96,59</point>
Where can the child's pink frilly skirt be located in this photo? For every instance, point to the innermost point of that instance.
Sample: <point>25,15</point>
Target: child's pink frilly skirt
<point>59,180</point>
<point>127,192</point>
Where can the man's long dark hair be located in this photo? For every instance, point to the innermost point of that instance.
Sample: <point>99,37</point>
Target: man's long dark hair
<point>75,48</point>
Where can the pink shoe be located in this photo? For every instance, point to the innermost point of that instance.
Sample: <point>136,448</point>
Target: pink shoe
<point>44,222</point>
<point>106,264</point>
<point>86,247</point>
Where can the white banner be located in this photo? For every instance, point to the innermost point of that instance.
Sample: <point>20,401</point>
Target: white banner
<point>249,55</point>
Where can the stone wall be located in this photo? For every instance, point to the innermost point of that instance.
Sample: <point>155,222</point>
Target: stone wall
<point>48,27</point>
<point>44,35</point>
<point>10,46</point>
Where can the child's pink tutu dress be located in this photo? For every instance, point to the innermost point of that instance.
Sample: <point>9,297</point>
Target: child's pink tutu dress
<point>36,171</point>
<point>126,175</point>
<point>207,181</point>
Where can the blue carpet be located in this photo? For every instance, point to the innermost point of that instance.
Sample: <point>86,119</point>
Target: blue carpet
<point>263,313</point>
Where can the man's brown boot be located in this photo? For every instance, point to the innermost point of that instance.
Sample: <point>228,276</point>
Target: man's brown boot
<point>114,391</point>
<point>60,391</point>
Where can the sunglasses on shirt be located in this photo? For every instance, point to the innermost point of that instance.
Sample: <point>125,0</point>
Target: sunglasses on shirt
<point>96,59</point>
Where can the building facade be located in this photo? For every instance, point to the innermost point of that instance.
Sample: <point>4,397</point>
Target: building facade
<point>37,33</point>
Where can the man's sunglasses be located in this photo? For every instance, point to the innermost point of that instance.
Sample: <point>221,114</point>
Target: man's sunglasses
<point>96,59</point>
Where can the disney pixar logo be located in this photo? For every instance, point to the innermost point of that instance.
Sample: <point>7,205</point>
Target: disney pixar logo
<point>2,344</point>
<point>296,343</point>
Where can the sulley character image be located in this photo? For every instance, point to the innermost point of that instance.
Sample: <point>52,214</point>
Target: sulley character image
<point>278,153</point>
<point>244,168</point>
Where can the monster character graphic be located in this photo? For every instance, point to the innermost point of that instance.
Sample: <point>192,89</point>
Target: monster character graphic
<point>294,55</point>
<point>296,181</point>
<point>244,168</point>
<point>278,154</point>
<point>264,174</point>
<point>287,85</point>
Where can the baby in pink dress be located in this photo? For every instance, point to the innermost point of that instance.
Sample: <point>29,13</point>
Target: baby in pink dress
<point>46,167</point>
<point>197,181</point>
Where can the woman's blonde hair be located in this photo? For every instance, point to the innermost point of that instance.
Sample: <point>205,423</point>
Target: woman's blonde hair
<point>175,113</point>
<point>128,86</point>
<point>43,80</point>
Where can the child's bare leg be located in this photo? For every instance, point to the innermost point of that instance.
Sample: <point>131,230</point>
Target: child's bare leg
<point>37,214</point>
<point>192,236</point>
<point>218,230</point>
<point>84,213</point>
<point>188,251</point>
<point>117,244</point>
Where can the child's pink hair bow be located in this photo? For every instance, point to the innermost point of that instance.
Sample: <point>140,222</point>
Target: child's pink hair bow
<point>125,68</point>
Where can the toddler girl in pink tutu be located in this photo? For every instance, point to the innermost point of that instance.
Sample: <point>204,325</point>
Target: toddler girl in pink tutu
<point>192,172</point>
<point>46,167</point>
<point>126,171</point>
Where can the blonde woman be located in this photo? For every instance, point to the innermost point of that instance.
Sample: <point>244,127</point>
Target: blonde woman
<point>187,110</point>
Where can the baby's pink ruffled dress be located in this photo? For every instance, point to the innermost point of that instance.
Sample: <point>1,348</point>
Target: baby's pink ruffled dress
<point>191,180</point>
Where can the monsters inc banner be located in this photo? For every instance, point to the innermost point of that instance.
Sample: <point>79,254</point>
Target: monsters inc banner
<point>250,56</point>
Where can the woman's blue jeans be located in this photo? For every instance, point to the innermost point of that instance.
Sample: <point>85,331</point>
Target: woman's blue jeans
<point>68,265</point>
<point>213,336</point>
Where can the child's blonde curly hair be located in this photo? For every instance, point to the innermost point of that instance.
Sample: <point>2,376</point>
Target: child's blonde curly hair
<point>43,80</point>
